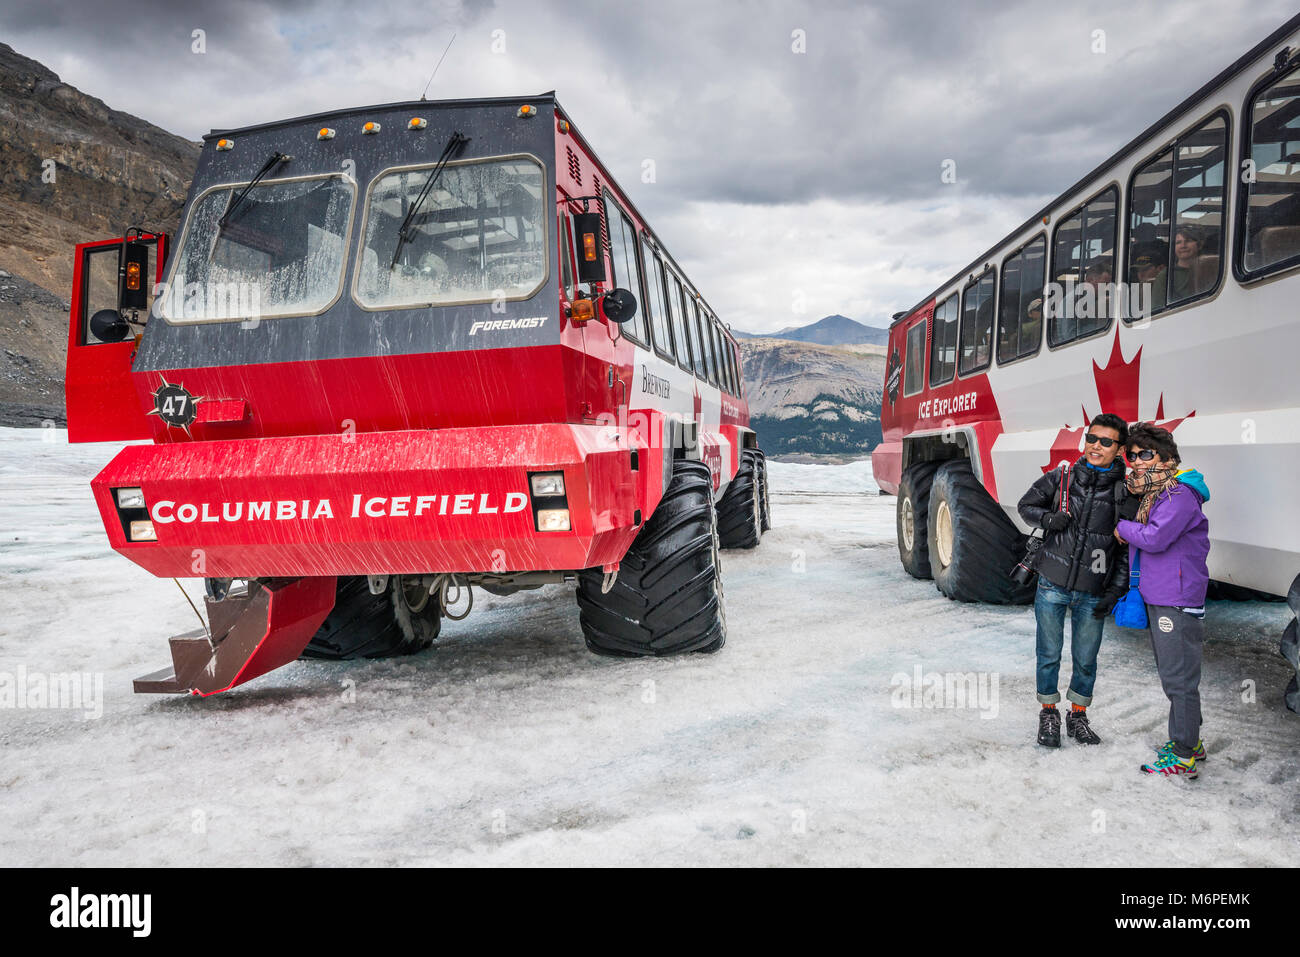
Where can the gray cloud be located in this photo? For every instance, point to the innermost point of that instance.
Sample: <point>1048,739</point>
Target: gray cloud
<point>749,139</point>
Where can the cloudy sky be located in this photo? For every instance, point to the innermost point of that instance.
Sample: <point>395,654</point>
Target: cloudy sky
<point>796,148</point>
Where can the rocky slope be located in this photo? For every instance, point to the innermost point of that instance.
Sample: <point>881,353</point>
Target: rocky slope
<point>806,398</point>
<point>110,170</point>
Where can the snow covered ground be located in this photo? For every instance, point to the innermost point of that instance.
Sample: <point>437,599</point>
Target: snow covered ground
<point>510,744</point>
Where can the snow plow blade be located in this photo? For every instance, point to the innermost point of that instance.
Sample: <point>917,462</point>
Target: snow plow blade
<point>251,634</point>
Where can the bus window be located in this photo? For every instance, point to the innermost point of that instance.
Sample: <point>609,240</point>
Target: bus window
<point>729,350</point>
<point>1083,255</point>
<point>976,338</point>
<point>701,368</point>
<point>915,359</point>
<point>717,351</point>
<point>943,342</point>
<point>679,322</point>
<point>1175,225</point>
<point>1271,204</point>
<point>623,255</point>
<point>566,257</point>
<point>710,353</point>
<point>1020,319</point>
<point>654,301</point>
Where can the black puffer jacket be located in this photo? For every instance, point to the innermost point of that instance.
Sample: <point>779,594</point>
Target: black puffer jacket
<point>1084,556</point>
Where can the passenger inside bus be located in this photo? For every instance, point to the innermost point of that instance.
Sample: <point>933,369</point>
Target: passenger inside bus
<point>1193,272</point>
<point>1148,266</point>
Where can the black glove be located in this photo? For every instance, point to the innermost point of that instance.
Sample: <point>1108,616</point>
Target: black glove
<point>1105,605</point>
<point>1056,521</point>
<point>1128,508</point>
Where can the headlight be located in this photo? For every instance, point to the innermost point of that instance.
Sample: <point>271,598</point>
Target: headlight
<point>130,498</point>
<point>547,484</point>
<point>142,531</point>
<point>553,520</point>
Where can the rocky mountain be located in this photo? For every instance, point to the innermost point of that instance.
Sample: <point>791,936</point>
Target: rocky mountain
<point>806,398</point>
<point>71,170</point>
<point>834,330</point>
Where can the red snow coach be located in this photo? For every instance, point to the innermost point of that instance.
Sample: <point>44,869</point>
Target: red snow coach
<point>398,352</point>
<point>1160,287</point>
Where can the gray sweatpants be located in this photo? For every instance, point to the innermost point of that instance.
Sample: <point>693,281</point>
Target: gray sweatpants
<point>1176,637</point>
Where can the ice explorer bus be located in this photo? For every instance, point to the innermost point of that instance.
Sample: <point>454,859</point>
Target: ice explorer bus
<point>397,353</point>
<point>1163,286</point>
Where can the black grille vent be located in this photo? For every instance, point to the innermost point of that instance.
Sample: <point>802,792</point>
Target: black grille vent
<point>575,168</point>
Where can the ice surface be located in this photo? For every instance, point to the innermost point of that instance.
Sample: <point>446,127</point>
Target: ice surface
<point>510,744</point>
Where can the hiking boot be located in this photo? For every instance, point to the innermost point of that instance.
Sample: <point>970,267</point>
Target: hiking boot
<point>1198,753</point>
<point>1167,762</point>
<point>1076,726</point>
<point>1049,727</point>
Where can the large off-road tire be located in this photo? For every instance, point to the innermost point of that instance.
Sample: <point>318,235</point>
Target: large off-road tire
<point>403,620</point>
<point>765,502</point>
<point>740,510</point>
<point>973,545</point>
<point>912,518</point>
<point>667,598</point>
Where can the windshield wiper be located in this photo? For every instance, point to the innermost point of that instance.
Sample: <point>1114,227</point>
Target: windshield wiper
<point>453,148</point>
<point>275,160</point>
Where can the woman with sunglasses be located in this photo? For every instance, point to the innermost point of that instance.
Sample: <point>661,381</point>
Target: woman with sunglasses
<point>1168,544</point>
<point>1081,570</point>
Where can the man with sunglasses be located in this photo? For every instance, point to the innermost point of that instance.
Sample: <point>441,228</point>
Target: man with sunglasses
<point>1080,570</point>
<point>1169,540</point>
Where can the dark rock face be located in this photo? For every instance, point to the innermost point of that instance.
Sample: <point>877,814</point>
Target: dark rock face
<point>111,170</point>
<point>813,399</point>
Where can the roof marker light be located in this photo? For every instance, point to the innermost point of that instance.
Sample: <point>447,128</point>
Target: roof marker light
<point>562,126</point>
<point>370,127</point>
<point>527,110</point>
<point>325,133</point>
<point>417,123</point>
<point>224,145</point>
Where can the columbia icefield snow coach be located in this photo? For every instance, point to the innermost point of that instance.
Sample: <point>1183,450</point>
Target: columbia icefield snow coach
<point>1164,286</point>
<point>397,353</point>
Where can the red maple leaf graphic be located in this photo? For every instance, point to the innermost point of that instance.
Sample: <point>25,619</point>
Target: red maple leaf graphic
<point>1118,389</point>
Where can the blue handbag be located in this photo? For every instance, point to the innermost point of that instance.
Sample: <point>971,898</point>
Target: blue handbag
<point>1131,610</point>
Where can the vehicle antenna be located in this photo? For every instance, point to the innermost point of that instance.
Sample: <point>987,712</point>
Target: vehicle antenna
<point>436,65</point>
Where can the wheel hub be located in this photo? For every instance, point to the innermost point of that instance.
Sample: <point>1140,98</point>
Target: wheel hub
<point>943,533</point>
<point>908,524</point>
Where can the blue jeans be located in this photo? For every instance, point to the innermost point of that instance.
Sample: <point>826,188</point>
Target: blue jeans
<point>1050,606</point>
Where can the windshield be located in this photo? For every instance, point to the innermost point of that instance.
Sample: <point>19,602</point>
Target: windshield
<point>479,236</point>
<point>281,254</point>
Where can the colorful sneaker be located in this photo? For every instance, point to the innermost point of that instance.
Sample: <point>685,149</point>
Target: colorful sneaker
<point>1198,753</point>
<point>1167,762</point>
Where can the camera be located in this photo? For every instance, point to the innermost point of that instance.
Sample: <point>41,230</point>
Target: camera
<point>1027,567</point>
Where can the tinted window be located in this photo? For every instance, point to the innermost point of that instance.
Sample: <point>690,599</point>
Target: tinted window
<point>943,342</point>
<point>710,356</point>
<point>1175,226</point>
<point>701,366</point>
<point>976,339</point>
<point>679,317</point>
<point>1271,237</point>
<point>623,256</point>
<point>1020,313</point>
<point>654,277</point>
<point>915,362</point>
<point>1081,300</point>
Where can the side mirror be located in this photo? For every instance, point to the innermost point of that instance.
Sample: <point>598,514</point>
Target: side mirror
<point>591,252</point>
<point>618,305</point>
<point>107,325</point>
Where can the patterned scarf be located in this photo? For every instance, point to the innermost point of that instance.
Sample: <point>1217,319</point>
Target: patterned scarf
<point>1149,485</point>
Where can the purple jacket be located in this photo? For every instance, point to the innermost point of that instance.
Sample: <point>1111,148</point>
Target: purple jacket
<point>1173,545</point>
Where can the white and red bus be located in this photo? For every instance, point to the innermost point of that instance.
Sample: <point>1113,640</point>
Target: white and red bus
<point>1163,286</point>
<point>398,352</point>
